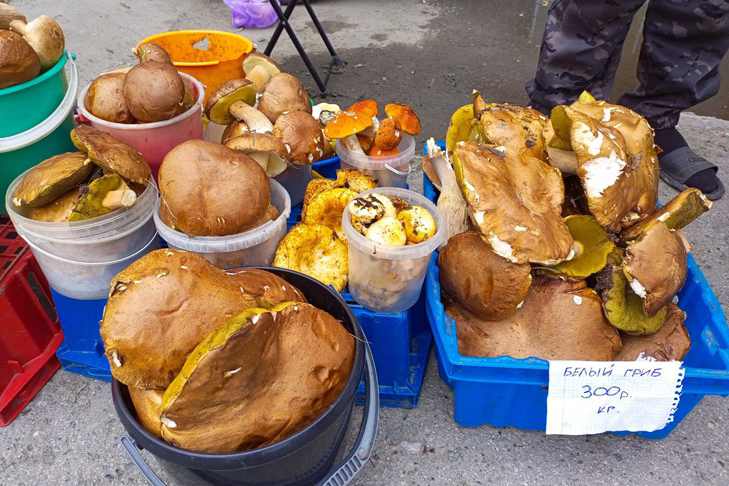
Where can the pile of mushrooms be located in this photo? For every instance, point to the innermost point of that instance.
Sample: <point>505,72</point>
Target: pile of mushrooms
<point>150,91</point>
<point>267,116</point>
<point>564,254</point>
<point>27,48</point>
<point>103,176</point>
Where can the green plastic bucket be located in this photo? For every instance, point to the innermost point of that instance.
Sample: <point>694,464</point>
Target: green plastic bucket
<point>50,137</point>
<point>27,104</point>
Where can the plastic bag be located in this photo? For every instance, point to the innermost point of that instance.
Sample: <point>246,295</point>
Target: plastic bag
<point>251,14</point>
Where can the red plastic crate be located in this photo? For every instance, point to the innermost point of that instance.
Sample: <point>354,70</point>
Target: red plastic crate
<point>29,330</point>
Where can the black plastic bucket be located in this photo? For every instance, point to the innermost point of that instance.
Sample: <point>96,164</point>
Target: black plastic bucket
<point>306,457</point>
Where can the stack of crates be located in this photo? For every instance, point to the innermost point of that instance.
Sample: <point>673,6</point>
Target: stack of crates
<point>30,333</point>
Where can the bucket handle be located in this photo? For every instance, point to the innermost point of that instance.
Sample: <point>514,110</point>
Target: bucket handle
<point>412,167</point>
<point>341,475</point>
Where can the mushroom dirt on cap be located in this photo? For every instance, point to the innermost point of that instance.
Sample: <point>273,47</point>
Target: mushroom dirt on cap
<point>165,303</point>
<point>111,154</point>
<point>223,400</point>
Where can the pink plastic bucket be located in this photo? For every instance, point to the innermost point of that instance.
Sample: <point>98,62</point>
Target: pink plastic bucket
<point>153,140</point>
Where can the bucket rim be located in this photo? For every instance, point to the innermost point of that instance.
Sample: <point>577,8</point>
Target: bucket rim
<point>54,70</point>
<point>159,448</point>
<point>62,112</point>
<point>250,47</point>
<point>95,120</point>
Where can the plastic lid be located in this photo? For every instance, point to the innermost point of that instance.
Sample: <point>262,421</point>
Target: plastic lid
<point>229,243</point>
<point>388,252</point>
<point>194,109</point>
<point>43,129</point>
<point>399,164</point>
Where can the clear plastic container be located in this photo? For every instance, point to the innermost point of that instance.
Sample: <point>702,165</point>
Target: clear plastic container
<point>154,140</point>
<point>85,280</point>
<point>110,237</point>
<point>389,278</point>
<point>253,247</point>
<point>295,179</point>
<point>390,171</point>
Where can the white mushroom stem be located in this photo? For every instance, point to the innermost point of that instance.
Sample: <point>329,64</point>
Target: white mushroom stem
<point>8,13</point>
<point>257,122</point>
<point>260,77</point>
<point>450,202</point>
<point>45,36</point>
<point>352,144</point>
<point>120,198</point>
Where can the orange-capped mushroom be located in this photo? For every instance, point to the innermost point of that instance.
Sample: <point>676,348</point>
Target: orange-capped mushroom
<point>366,107</point>
<point>405,117</point>
<point>387,136</point>
<point>347,123</point>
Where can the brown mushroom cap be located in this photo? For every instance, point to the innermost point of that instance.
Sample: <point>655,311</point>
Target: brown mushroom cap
<point>516,128</point>
<point>105,98</point>
<point>560,320</point>
<point>670,343</point>
<point>111,154</point>
<point>217,108</point>
<point>481,281</point>
<point>162,305</point>
<point>147,405</point>
<point>655,266</point>
<point>18,61</point>
<point>154,91</point>
<point>264,148</point>
<point>207,189</point>
<point>283,93</point>
<point>45,36</point>
<point>51,179</point>
<point>301,135</point>
<point>151,52</point>
<point>516,201</point>
<point>223,400</point>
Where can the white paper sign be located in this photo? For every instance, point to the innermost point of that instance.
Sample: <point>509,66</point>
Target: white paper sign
<point>591,397</point>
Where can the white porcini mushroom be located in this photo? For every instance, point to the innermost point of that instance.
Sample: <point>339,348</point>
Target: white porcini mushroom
<point>45,36</point>
<point>256,121</point>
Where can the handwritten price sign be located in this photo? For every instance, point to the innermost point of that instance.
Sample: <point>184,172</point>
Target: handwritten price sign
<point>589,397</point>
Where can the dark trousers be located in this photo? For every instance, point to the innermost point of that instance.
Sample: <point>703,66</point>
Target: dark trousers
<point>683,44</point>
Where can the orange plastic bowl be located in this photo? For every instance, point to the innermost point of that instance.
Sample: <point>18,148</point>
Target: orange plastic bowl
<point>211,56</point>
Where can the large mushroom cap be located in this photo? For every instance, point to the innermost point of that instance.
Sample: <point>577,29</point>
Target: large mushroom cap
<point>264,148</point>
<point>218,105</point>
<point>45,36</point>
<point>111,154</point>
<point>301,135</point>
<point>51,179</point>
<point>670,343</point>
<point>162,305</point>
<point>655,266</point>
<point>346,124</point>
<point>516,201</point>
<point>208,189</point>
<point>283,93</point>
<point>517,128</point>
<point>154,91</point>
<point>315,250</point>
<point>560,320</point>
<point>326,208</point>
<point>479,280</point>
<point>105,98</point>
<point>223,400</point>
<point>58,211</point>
<point>18,61</point>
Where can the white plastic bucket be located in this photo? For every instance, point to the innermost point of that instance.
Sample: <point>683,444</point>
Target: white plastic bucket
<point>389,278</point>
<point>85,280</point>
<point>295,179</point>
<point>110,237</point>
<point>253,247</point>
<point>388,171</point>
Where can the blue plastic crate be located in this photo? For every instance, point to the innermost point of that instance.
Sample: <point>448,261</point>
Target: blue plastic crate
<point>509,392</point>
<point>82,350</point>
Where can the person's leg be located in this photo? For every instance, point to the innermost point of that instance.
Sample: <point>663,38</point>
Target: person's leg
<point>683,44</point>
<point>580,50</point>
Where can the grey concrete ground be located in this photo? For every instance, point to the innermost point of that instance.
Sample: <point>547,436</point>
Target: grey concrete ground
<point>431,54</point>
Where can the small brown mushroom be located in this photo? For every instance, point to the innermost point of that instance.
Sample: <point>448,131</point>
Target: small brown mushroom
<point>151,52</point>
<point>154,91</point>
<point>264,148</point>
<point>45,36</point>
<point>18,61</point>
<point>254,119</point>
<point>301,136</point>
<point>218,105</point>
<point>105,99</point>
<point>282,94</point>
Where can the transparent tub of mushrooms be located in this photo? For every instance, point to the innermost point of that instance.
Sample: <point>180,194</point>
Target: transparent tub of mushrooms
<point>86,214</point>
<point>563,253</point>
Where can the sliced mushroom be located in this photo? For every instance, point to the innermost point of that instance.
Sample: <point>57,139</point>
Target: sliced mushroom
<point>111,154</point>
<point>259,69</point>
<point>678,213</point>
<point>302,137</point>
<point>655,266</point>
<point>264,148</point>
<point>670,343</point>
<point>18,61</point>
<point>516,201</point>
<point>217,108</point>
<point>45,36</point>
<point>282,94</point>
